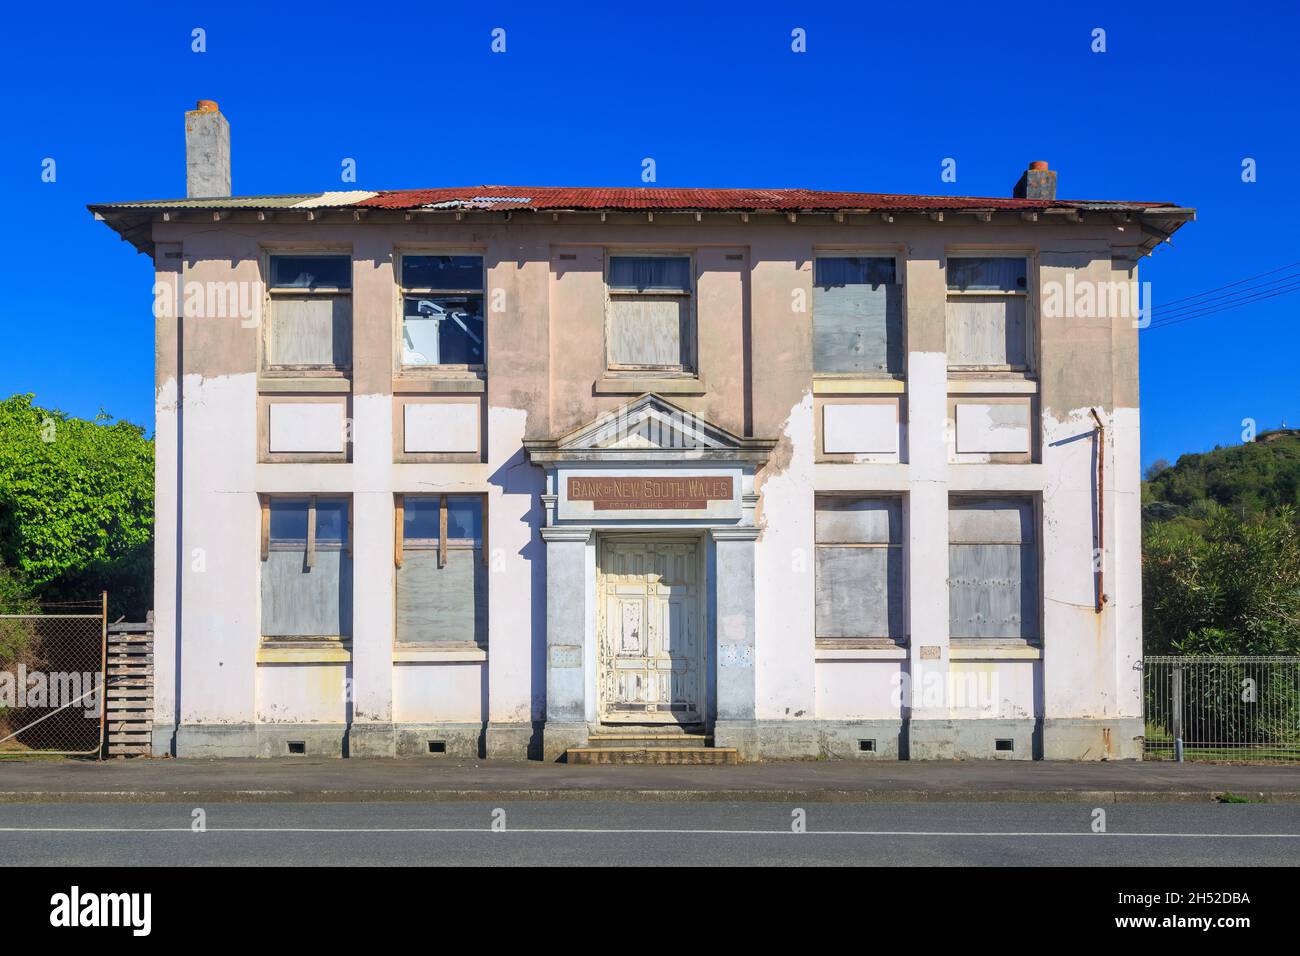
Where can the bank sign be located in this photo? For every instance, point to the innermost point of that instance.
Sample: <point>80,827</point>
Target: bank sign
<point>647,494</point>
<point>657,496</point>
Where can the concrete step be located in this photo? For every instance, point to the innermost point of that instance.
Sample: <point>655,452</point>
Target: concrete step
<point>659,755</point>
<point>648,738</point>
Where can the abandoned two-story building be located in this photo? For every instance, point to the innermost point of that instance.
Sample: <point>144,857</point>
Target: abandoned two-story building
<point>707,473</point>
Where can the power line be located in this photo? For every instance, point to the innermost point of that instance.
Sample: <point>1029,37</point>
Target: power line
<point>1231,284</point>
<point>1166,312</point>
<point>1223,308</point>
<point>1207,303</point>
<point>1262,293</point>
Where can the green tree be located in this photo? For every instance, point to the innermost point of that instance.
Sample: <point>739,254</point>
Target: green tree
<point>1218,582</point>
<point>76,505</point>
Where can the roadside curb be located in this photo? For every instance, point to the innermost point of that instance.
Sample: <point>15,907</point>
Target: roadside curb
<point>1092,797</point>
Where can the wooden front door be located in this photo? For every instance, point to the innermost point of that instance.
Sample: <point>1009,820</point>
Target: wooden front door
<point>651,645</point>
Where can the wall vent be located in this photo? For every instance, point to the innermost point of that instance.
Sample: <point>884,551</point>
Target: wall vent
<point>298,747</point>
<point>1005,744</point>
<point>867,746</point>
<point>437,746</point>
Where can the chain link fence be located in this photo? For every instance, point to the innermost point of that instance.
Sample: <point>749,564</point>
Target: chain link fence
<point>1225,709</point>
<point>52,681</point>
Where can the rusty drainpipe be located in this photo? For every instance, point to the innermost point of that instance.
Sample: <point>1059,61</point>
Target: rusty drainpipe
<point>1100,560</point>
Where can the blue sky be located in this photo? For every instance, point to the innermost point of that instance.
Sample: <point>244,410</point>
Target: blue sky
<point>883,94</point>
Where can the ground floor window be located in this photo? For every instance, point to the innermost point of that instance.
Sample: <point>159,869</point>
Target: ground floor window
<point>441,559</point>
<point>992,568</point>
<point>306,567</point>
<point>861,593</point>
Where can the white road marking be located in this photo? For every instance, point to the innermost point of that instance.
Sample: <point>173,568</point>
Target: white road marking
<point>593,831</point>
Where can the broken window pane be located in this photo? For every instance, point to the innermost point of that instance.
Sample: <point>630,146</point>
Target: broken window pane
<point>832,271</point>
<point>447,273</point>
<point>311,272</point>
<point>420,522</point>
<point>331,522</point>
<point>464,520</point>
<point>442,330</point>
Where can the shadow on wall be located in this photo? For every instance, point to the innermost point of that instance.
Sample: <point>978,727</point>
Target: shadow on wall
<point>517,477</point>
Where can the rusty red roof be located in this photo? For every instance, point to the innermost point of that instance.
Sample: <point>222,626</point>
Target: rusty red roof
<point>498,198</point>
<point>133,220</point>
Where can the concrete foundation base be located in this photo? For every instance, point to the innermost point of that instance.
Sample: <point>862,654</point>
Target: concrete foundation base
<point>974,740</point>
<point>164,740</point>
<point>514,741</point>
<point>1120,738</point>
<point>372,740</point>
<point>559,735</point>
<point>261,740</point>
<point>831,740</point>
<point>1054,739</point>
<point>743,735</point>
<point>439,740</point>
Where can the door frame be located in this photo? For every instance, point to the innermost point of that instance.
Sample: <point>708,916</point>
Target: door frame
<point>700,539</point>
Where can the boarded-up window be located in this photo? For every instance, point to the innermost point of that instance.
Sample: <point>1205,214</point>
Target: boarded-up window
<point>857,315</point>
<point>442,571</point>
<point>306,568</point>
<point>987,324</point>
<point>992,568</point>
<point>442,310</point>
<point>311,312</point>
<point>860,581</point>
<point>650,313</point>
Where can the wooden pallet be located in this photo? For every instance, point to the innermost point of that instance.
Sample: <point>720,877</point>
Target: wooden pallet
<point>129,730</point>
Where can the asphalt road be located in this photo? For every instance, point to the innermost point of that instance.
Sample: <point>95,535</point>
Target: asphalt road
<point>616,833</point>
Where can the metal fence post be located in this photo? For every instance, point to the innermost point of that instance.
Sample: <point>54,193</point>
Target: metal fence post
<point>1176,714</point>
<point>103,674</point>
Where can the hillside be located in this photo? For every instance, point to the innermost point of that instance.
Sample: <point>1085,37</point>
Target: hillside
<point>1248,479</point>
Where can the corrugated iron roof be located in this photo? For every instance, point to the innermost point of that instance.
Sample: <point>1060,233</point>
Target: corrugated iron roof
<point>133,220</point>
<point>325,200</point>
<point>498,198</point>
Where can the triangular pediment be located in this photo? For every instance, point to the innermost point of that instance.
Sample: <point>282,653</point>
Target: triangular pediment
<point>649,426</point>
<point>649,422</point>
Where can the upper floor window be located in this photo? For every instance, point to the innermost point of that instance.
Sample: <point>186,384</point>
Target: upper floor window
<point>988,324</point>
<point>651,313</point>
<point>442,311</point>
<point>857,315</point>
<point>311,312</point>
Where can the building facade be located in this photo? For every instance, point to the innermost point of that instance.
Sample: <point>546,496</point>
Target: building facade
<point>500,470</point>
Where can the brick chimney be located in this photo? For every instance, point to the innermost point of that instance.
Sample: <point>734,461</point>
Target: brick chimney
<point>207,152</point>
<point>1036,182</point>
